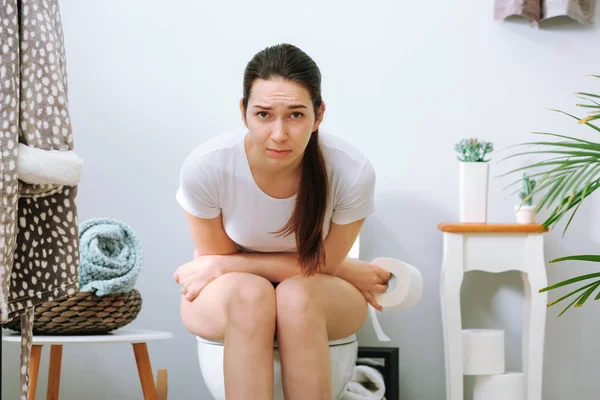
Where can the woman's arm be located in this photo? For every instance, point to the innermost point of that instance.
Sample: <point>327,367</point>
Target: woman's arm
<point>367,278</point>
<point>217,251</point>
<point>277,267</point>
<point>209,236</point>
<point>210,240</point>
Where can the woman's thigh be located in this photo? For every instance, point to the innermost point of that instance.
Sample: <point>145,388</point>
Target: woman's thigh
<point>342,305</point>
<point>207,315</point>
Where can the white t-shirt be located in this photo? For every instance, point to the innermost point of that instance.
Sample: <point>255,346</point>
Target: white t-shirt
<point>216,179</point>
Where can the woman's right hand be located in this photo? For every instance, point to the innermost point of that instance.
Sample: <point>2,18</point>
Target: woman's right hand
<point>194,275</point>
<point>366,277</point>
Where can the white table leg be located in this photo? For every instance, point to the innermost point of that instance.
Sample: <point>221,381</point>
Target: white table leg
<point>451,282</point>
<point>534,317</point>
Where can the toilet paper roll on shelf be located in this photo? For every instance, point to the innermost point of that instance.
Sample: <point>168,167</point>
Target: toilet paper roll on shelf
<point>405,289</point>
<point>508,386</point>
<point>483,351</point>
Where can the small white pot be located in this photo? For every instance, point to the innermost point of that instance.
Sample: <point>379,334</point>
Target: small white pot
<point>525,214</point>
<point>473,191</point>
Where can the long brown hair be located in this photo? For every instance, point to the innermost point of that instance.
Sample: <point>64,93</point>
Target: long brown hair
<point>289,62</point>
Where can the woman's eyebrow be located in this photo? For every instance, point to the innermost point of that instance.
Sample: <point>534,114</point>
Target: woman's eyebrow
<point>291,107</point>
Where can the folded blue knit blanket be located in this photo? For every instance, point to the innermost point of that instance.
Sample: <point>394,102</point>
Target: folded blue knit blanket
<point>111,257</point>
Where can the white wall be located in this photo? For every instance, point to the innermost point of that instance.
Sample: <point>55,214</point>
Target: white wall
<point>402,80</point>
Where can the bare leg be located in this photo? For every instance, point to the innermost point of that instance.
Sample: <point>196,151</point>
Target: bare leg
<point>238,308</point>
<point>311,312</point>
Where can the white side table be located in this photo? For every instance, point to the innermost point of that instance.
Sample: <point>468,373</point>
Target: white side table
<point>494,248</point>
<point>136,337</point>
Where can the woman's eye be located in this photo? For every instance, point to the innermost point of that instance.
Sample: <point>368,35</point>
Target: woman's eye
<point>262,114</point>
<point>296,115</point>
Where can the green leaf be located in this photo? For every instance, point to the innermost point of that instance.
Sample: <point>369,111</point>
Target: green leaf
<point>546,199</point>
<point>564,136</point>
<point>585,98</point>
<point>578,145</point>
<point>552,178</point>
<point>566,205</point>
<point>586,295</point>
<point>574,181</point>
<point>591,175</point>
<point>582,257</point>
<point>559,211</point>
<point>590,118</point>
<point>538,174</point>
<point>569,202</point>
<point>593,155</point>
<point>570,140</point>
<point>563,164</point>
<point>578,119</point>
<point>571,294</point>
<point>560,190</point>
<point>569,281</point>
<point>588,94</point>
<point>571,218</point>
<point>570,304</point>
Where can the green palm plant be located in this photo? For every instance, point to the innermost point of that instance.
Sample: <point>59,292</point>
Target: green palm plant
<point>569,174</point>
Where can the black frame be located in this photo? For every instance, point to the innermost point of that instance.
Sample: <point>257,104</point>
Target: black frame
<point>390,370</point>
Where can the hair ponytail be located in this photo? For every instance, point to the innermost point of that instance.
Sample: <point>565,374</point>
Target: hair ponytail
<point>309,212</point>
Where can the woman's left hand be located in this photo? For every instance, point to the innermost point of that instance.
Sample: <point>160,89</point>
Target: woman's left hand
<point>366,277</point>
<point>193,276</point>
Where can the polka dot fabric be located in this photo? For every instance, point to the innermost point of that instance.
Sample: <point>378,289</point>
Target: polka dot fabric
<point>39,248</point>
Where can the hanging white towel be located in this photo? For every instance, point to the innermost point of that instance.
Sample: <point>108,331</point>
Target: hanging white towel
<point>366,384</point>
<point>48,167</point>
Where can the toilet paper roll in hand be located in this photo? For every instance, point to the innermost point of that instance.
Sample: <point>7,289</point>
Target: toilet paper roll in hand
<point>404,290</point>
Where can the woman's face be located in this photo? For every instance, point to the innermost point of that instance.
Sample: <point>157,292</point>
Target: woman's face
<point>280,119</point>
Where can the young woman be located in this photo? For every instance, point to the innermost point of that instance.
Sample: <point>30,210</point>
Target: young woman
<point>273,212</point>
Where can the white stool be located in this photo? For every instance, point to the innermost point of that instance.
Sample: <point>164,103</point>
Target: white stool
<point>136,337</point>
<point>494,248</point>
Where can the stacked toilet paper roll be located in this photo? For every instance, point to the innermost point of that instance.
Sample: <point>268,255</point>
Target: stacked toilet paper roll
<point>483,356</point>
<point>483,351</point>
<point>507,386</point>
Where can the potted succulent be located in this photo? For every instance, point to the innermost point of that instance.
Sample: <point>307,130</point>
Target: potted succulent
<point>526,211</point>
<point>473,179</point>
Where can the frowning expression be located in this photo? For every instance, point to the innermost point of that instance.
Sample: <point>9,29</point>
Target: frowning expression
<point>280,119</point>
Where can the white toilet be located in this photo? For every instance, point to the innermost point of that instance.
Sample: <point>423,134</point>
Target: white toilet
<point>344,353</point>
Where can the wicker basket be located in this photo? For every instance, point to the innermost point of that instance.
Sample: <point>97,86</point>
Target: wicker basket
<point>84,314</point>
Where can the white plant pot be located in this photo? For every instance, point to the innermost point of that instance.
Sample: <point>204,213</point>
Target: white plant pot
<point>473,191</point>
<point>525,214</point>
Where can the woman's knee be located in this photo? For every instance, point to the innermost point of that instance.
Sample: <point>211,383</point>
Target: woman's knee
<point>298,296</point>
<point>252,300</point>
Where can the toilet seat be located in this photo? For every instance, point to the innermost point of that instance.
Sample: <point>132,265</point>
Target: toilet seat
<point>338,342</point>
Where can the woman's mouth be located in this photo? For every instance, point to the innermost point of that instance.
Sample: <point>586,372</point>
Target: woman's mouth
<point>278,153</point>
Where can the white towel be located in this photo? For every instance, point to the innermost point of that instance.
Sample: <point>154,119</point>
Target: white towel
<point>48,167</point>
<point>366,384</point>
